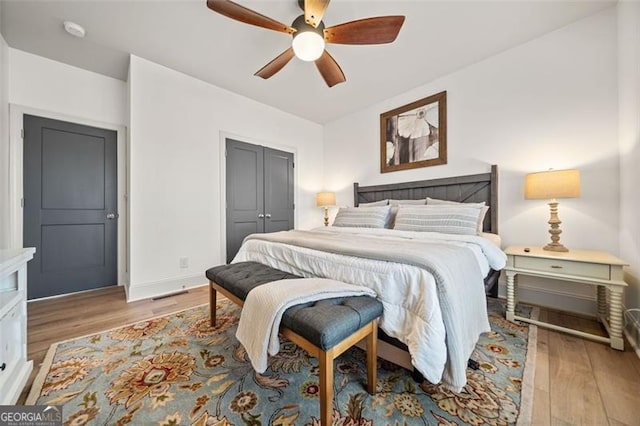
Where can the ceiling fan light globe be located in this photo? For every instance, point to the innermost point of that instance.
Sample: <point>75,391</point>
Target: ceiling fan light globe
<point>308,45</point>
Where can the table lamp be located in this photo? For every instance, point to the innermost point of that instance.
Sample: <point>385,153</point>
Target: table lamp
<point>326,200</point>
<point>551,185</point>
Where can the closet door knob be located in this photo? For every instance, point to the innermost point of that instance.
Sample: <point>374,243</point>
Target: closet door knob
<point>268,215</point>
<point>261,216</point>
<point>3,366</point>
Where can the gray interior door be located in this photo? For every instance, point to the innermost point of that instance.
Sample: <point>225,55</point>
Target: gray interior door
<point>259,192</point>
<point>70,206</point>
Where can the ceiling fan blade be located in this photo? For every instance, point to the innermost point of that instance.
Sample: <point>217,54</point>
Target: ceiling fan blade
<point>276,65</point>
<point>314,11</point>
<point>330,70</point>
<point>378,30</point>
<point>248,16</point>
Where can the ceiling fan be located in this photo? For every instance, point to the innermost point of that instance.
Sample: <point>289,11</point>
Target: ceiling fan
<point>310,35</point>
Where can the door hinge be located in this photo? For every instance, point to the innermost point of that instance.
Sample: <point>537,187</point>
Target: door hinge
<point>294,206</point>
<point>22,133</point>
<point>22,202</point>
<point>293,165</point>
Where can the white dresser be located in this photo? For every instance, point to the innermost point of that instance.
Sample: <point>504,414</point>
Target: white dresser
<point>14,367</point>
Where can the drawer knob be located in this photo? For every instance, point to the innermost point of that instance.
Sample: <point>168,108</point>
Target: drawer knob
<point>3,366</point>
<point>556,266</point>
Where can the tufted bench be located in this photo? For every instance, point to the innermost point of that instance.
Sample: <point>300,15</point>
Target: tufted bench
<point>325,329</point>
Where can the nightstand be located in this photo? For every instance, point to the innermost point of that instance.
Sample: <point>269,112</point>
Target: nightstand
<point>594,268</point>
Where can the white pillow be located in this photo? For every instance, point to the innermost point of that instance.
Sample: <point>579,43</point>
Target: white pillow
<point>367,217</point>
<point>485,208</point>
<point>446,219</point>
<point>374,203</point>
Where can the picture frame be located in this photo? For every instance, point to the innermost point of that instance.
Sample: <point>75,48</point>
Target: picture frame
<point>414,135</point>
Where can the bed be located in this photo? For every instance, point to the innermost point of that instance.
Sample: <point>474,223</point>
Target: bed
<point>432,285</point>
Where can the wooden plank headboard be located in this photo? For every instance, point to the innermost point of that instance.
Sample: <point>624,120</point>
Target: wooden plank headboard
<point>468,189</point>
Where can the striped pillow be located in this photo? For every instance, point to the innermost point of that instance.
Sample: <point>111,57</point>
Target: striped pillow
<point>447,219</point>
<point>395,204</point>
<point>366,217</point>
<point>485,208</point>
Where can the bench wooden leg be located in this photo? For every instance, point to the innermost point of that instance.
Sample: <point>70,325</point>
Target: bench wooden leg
<point>325,362</point>
<point>372,362</point>
<point>212,304</point>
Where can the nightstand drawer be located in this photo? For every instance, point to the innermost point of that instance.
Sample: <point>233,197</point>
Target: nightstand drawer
<point>565,267</point>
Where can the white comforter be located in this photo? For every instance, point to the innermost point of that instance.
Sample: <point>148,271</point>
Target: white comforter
<point>412,307</point>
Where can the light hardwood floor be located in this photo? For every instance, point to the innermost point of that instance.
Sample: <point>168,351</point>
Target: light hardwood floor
<point>577,382</point>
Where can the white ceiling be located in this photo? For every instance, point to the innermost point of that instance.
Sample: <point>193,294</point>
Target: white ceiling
<point>438,37</point>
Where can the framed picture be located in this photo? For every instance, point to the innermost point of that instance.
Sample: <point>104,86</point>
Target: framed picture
<point>414,135</point>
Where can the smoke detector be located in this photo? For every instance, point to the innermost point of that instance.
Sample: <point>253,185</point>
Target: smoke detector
<point>74,29</point>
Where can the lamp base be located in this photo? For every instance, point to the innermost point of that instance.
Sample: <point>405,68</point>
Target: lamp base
<point>554,230</point>
<point>555,247</point>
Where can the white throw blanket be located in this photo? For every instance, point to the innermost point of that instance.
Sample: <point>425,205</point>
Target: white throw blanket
<point>265,305</point>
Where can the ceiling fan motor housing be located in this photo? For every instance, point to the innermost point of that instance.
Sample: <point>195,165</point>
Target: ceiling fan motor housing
<point>301,26</point>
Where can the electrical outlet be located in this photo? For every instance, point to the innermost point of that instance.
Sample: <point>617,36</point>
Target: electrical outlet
<point>184,262</point>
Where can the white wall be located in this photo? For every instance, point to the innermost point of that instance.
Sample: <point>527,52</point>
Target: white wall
<point>48,85</point>
<point>176,126</point>
<point>549,103</point>
<point>4,144</point>
<point>629,135</point>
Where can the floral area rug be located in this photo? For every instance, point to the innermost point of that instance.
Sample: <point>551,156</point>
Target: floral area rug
<point>177,370</point>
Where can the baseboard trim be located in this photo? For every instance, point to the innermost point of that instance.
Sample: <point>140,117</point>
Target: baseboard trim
<point>163,287</point>
<point>632,331</point>
<point>554,298</point>
<point>635,345</point>
<point>503,288</point>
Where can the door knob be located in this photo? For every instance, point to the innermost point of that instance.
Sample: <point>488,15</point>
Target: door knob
<point>268,215</point>
<point>112,216</point>
<point>260,216</point>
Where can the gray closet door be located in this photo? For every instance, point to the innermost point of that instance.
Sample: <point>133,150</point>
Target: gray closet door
<point>245,194</point>
<point>259,192</point>
<point>70,206</point>
<point>278,190</point>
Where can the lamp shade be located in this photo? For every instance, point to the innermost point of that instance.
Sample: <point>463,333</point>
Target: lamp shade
<point>552,184</point>
<point>325,199</point>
